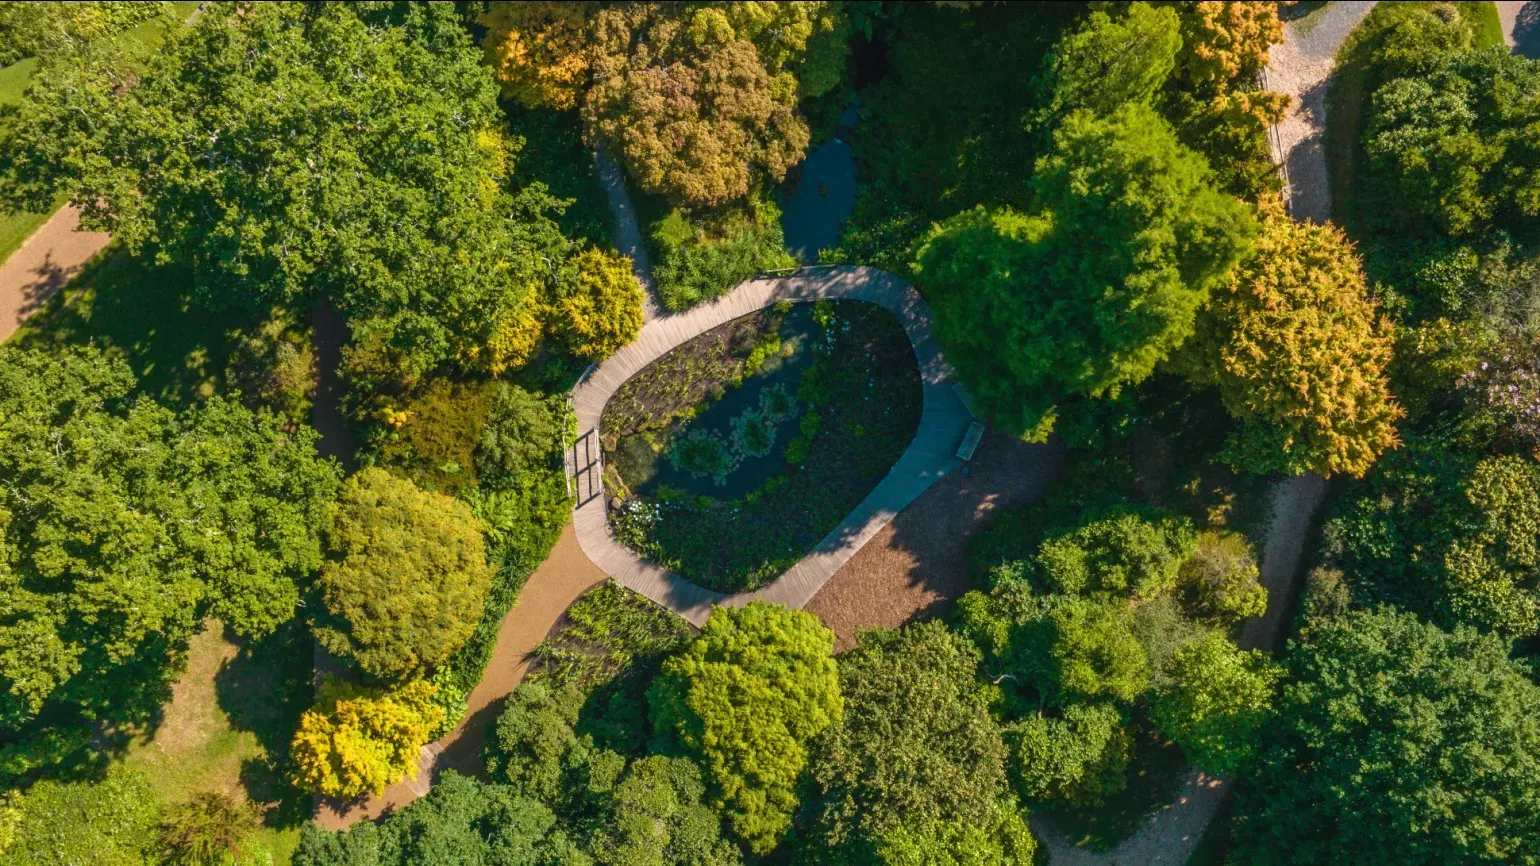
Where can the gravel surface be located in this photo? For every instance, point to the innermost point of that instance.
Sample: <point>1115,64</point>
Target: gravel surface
<point>43,265</point>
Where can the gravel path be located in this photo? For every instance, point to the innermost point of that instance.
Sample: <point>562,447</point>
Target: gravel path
<point>1521,26</point>
<point>628,232</point>
<point>1300,66</point>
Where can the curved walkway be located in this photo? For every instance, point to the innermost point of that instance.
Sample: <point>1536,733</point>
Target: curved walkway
<point>943,422</point>
<point>42,265</point>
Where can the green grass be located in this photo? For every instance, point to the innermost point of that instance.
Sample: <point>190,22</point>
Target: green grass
<point>227,728</point>
<point>14,79</point>
<point>1347,98</point>
<point>145,315</point>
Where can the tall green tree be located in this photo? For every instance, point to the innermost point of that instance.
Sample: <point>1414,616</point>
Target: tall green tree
<point>1398,743</point>
<point>918,742</point>
<point>745,698</point>
<point>1098,285</point>
<point>290,151</point>
<point>1217,701</point>
<point>405,576</point>
<point>1114,61</point>
<point>123,524</point>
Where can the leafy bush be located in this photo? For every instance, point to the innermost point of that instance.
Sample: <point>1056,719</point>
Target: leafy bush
<point>602,311</point>
<point>1219,699</point>
<point>208,829</point>
<point>1221,579</point>
<point>1078,757</point>
<point>745,698</point>
<point>459,823</point>
<point>431,435</point>
<point>31,29</point>
<point>701,259</point>
<point>405,578</point>
<point>106,823</point>
<point>1002,841</point>
<point>358,742</point>
<point>522,434</point>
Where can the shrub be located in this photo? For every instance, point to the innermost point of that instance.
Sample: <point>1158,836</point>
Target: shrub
<point>603,310</point>
<point>405,579</point>
<point>209,829</point>
<point>522,434</point>
<point>1221,579</point>
<point>1003,841</point>
<point>356,743</point>
<point>107,823</point>
<point>745,698</point>
<point>432,436</point>
<point>533,737</point>
<point>701,259</point>
<point>1216,705</point>
<point>1078,757</point>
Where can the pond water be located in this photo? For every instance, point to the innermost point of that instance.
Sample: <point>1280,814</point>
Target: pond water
<point>646,464</point>
<point>812,215</point>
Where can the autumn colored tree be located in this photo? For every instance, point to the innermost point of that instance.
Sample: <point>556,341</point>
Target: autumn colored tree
<point>1103,282</point>
<point>354,744</point>
<point>405,576</point>
<point>540,50</point>
<point>1217,701</point>
<point>1299,352</point>
<point>687,105</point>
<point>1226,41</point>
<point>745,698</point>
<point>603,309</point>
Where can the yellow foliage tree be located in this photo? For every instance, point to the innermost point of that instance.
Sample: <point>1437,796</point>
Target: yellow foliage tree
<point>356,744</point>
<point>604,311</point>
<point>1226,40</point>
<point>539,51</point>
<point>1299,351</point>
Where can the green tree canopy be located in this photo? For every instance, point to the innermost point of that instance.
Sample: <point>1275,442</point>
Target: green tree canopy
<point>745,698</point>
<point>655,815</point>
<point>1111,62</point>
<point>123,524</point>
<point>1216,704</point>
<point>108,823</point>
<point>405,576</point>
<point>1448,534</point>
<point>1077,756</point>
<point>1124,552</point>
<point>1398,743</point>
<point>1096,287</point>
<point>917,744</point>
<point>461,822</point>
<point>287,151</point>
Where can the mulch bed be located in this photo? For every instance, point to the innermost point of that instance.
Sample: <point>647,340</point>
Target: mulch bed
<point>917,565</point>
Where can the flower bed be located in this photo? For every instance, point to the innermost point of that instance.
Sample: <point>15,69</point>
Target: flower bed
<point>735,454</point>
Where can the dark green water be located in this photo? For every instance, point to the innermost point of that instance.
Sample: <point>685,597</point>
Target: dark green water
<point>645,470</point>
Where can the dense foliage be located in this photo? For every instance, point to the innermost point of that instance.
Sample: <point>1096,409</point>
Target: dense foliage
<point>122,525</point>
<point>33,29</point>
<point>1299,353</point>
<point>111,823</point>
<point>745,698</point>
<point>1395,742</point>
<point>1102,282</point>
<point>359,742</point>
<point>267,150</point>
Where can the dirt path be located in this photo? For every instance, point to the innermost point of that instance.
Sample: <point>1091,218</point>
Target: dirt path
<point>628,232</point>
<point>565,575</point>
<point>44,263</point>
<point>1521,26</point>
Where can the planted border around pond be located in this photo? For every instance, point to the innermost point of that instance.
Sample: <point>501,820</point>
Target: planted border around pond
<point>931,454</point>
<point>737,452</point>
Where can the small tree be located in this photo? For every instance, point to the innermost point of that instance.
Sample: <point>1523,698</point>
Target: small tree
<point>604,309</point>
<point>1216,704</point>
<point>1111,62</point>
<point>1221,580</point>
<point>540,50</point>
<point>1077,757</point>
<point>1005,840</point>
<point>207,830</point>
<point>1299,352</point>
<point>355,744</point>
<point>745,698</point>
<point>405,579</point>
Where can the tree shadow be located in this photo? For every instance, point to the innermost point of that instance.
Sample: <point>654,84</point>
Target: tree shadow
<point>1526,31</point>
<point>264,689</point>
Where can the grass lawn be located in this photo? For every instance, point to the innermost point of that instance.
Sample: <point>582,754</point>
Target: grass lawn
<point>227,728</point>
<point>143,314</point>
<point>1345,101</point>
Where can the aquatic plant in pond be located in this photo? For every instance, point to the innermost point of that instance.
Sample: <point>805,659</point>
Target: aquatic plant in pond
<point>706,453</point>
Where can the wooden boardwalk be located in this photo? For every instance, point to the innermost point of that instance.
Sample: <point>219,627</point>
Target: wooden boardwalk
<point>943,423</point>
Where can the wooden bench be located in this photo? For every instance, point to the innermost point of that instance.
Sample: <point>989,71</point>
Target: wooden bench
<point>970,441</point>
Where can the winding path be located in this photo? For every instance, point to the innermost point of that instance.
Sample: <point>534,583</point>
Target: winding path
<point>932,454</point>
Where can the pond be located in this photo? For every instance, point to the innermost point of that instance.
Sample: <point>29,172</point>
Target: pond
<point>732,456</point>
